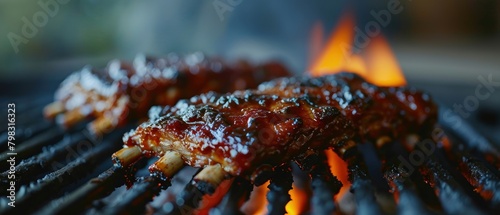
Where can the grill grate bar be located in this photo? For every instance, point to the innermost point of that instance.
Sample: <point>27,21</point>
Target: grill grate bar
<point>188,200</point>
<point>405,179</point>
<point>324,184</point>
<point>279,185</point>
<point>462,130</point>
<point>402,181</point>
<point>235,197</point>
<point>28,123</point>
<point>82,198</point>
<point>43,190</point>
<point>482,178</point>
<point>448,189</point>
<point>134,200</point>
<point>33,166</point>
<point>28,110</point>
<point>364,192</point>
<point>409,201</point>
<point>24,133</point>
<point>33,145</point>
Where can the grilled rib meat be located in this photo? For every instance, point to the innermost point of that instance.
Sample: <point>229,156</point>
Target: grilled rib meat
<point>123,92</point>
<point>375,111</point>
<point>281,121</point>
<point>238,130</point>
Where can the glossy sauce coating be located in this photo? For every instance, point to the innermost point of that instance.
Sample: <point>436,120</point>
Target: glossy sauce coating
<point>375,111</point>
<point>238,130</point>
<point>124,92</point>
<point>280,121</point>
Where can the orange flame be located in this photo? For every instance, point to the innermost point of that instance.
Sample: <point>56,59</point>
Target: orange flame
<point>333,57</point>
<point>210,201</point>
<point>297,204</point>
<point>338,167</point>
<point>257,203</point>
<point>377,65</point>
<point>384,68</point>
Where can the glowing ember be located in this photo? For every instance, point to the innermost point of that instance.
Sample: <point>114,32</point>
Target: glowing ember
<point>377,64</point>
<point>299,198</point>
<point>338,167</point>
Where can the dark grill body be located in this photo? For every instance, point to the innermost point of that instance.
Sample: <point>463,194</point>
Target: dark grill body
<point>70,171</point>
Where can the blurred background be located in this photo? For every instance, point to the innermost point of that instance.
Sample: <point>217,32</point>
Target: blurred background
<point>442,46</point>
<point>454,37</point>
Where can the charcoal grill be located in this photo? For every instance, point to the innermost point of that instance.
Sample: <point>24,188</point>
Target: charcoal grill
<point>69,172</point>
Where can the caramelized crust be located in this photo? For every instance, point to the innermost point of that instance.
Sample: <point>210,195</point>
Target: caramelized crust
<point>375,111</point>
<point>124,92</point>
<point>281,121</point>
<point>239,130</point>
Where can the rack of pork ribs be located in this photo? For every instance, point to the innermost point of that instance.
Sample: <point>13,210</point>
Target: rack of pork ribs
<point>123,92</point>
<point>248,137</point>
<point>254,134</point>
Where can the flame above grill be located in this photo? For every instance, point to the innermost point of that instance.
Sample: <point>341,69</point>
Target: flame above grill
<point>376,63</point>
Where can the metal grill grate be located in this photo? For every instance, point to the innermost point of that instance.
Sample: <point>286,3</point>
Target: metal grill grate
<point>67,172</point>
